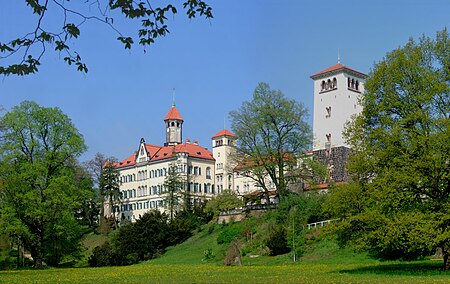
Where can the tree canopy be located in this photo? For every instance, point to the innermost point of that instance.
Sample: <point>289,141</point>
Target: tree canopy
<point>401,155</point>
<point>22,55</point>
<point>42,188</point>
<point>109,188</point>
<point>273,135</point>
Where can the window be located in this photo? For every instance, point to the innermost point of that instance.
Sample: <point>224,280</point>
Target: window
<point>328,112</point>
<point>323,86</point>
<point>195,170</point>
<point>208,173</point>
<point>334,83</point>
<point>328,137</point>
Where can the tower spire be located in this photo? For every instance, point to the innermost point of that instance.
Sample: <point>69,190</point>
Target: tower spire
<point>339,57</point>
<point>173,97</point>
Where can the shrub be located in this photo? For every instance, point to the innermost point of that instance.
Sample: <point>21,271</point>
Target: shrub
<point>229,233</point>
<point>233,256</point>
<point>277,241</point>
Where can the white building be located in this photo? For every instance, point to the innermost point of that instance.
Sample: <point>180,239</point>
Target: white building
<point>337,90</point>
<point>143,173</point>
<point>223,146</point>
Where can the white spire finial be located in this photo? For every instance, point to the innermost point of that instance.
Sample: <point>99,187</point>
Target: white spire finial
<point>173,97</point>
<point>224,123</point>
<point>339,57</point>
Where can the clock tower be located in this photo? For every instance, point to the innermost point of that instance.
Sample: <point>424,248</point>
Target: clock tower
<point>174,127</point>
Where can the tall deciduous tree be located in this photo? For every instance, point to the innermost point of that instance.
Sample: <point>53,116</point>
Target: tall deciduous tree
<point>272,137</point>
<point>22,55</point>
<point>40,194</point>
<point>401,161</point>
<point>109,185</point>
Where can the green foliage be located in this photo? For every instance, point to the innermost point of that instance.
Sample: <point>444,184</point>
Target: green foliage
<point>147,238</point>
<point>231,232</point>
<point>24,52</point>
<point>277,241</point>
<point>109,186</point>
<point>172,194</point>
<point>304,208</point>
<point>226,200</point>
<point>42,186</point>
<point>272,135</point>
<point>401,156</point>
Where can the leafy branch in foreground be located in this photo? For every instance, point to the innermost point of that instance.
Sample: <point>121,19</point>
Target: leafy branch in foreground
<point>22,55</point>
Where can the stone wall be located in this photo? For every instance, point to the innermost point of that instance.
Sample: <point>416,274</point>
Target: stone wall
<point>334,160</point>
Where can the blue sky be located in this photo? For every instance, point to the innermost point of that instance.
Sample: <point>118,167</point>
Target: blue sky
<point>213,65</point>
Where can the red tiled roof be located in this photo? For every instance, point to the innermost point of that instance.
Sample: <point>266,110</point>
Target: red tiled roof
<point>224,133</point>
<point>131,160</point>
<point>336,67</point>
<point>159,153</point>
<point>173,114</point>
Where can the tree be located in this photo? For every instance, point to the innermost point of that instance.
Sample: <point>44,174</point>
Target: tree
<point>401,159</point>
<point>39,194</point>
<point>226,200</point>
<point>272,137</point>
<point>173,185</point>
<point>24,53</point>
<point>109,185</point>
<point>95,167</point>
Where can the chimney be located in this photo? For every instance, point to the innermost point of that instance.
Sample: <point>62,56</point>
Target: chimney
<point>188,141</point>
<point>195,142</point>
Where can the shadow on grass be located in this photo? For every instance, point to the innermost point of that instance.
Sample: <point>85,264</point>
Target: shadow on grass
<point>410,268</point>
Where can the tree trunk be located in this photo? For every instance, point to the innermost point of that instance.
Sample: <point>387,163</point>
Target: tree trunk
<point>445,257</point>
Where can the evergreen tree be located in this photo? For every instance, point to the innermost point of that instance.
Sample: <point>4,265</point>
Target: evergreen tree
<point>109,186</point>
<point>173,185</point>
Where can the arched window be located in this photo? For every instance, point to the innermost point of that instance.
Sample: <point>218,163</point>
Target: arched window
<point>357,85</point>
<point>334,83</point>
<point>323,86</point>
<point>329,84</point>
<point>353,84</point>
<point>348,82</point>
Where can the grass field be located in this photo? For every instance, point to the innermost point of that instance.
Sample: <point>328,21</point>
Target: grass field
<point>302,272</point>
<point>185,263</point>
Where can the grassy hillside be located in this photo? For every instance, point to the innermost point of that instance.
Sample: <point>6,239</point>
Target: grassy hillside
<point>322,262</point>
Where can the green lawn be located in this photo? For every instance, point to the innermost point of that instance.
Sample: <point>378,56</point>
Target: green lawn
<point>185,263</point>
<point>302,272</point>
